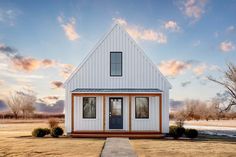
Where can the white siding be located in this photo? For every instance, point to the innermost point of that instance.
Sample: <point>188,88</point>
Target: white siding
<point>87,124</point>
<point>138,72</point>
<point>152,123</point>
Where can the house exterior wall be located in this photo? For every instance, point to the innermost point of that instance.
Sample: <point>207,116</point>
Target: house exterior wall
<point>150,124</point>
<point>88,124</point>
<point>138,72</point>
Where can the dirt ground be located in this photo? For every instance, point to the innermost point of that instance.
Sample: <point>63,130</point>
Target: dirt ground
<point>203,147</point>
<point>13,142</point>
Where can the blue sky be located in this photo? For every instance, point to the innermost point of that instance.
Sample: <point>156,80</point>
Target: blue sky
<point>188,40</point>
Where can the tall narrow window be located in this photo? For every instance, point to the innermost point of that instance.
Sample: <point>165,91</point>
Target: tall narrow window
<point>141,107</point>
<point>115,63</point>
<point>89,107</point>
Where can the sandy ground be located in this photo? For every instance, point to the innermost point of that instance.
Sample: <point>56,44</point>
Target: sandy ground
<point>181,148</point>
<point>13,143</point>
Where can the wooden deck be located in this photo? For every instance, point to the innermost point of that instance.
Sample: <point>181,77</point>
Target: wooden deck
<point>92,134</point>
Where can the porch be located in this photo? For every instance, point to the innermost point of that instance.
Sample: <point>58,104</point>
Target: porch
<point>116,113</point>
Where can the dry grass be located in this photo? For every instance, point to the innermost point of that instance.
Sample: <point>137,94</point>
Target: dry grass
<point>13,143</point>
<point>182,148</point>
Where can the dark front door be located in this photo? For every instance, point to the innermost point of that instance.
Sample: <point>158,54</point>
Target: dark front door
<point>116,113</point>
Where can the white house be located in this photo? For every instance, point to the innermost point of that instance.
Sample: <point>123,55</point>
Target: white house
<point>116,91</point>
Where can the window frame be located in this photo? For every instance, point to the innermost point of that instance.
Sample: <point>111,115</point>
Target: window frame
<point>95,108</point>
<point>136,108</point>
<point>120,75</point>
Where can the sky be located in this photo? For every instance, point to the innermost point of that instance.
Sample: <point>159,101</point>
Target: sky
<point>41,42</point>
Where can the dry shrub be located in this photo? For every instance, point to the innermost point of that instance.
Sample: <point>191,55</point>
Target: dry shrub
<point>53,122</point>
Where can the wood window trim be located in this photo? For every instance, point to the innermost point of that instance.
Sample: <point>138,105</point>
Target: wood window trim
<point>95,109</point>
<point>136,108</point>
<point>121,74</point>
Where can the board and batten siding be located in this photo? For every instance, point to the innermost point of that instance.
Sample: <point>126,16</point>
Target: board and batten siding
<point>81,123</point>
<point>151,123</point>
<point>138,71</point>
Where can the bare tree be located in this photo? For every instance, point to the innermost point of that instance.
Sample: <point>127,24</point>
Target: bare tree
<point>14,103</point>
<point>229,83</point>
<point>22,102</point>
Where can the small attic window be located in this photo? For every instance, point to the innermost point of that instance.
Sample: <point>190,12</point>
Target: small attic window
<point>115,63</point>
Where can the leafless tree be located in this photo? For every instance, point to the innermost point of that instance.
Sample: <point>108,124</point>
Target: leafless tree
<point>14,103</point>
<point>22,102</point>
<point>229,83</point>
<point>29,99</point>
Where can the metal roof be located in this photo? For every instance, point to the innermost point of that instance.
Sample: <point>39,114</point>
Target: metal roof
<point>116,90</point>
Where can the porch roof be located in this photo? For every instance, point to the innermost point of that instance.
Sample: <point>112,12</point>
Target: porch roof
<point>116,90</point>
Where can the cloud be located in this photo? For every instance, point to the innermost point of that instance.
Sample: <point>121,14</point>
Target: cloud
<point>140,33</point>
<point>24,63</point>
<point>226,46</point>
<point>57,107</point>
<point>47,63</point>
<point>230,29</point>
<point>193,9</point>
<point>184,84</point>
<point>66,70</point>
<point>69,28</point>
<point>2,82</point>
<point>56,84</point>
<point>8,16</point>
<point>200,69</point>
<point>49,99</point>
<point>172,26</point>
<point>173,67</point>
<point>7,50</point>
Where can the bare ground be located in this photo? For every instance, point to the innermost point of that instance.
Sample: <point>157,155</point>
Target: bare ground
<point>15,141</point>
<point>203,147</point>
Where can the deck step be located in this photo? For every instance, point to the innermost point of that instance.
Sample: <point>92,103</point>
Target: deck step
<point>101,135</point>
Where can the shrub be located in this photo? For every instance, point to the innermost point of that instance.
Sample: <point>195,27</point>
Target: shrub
<point>176,131</point>
<point>56,132</point>
<point>47,131</point>
<point>38,132</point>
<point>53,122</point>
<point>191,133</point>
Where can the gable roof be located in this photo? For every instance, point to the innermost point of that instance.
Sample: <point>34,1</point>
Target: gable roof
<point>101,41</point>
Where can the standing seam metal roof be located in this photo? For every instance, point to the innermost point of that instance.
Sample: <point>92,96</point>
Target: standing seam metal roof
<point>117,90</point>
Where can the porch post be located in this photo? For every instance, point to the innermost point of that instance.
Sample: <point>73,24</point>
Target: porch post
<point>130,113</point>
<point>104,112</point>
<point>72,113</point>
<point>160,112</point>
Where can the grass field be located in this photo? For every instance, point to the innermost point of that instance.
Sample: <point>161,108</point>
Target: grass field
<point>14,142</point>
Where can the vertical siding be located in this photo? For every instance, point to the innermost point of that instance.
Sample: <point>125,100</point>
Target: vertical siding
<point>87,124</point>
<point>138,72</point>
<point>152,123</point>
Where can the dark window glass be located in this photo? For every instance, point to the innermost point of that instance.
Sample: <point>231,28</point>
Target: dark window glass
<point>141,107</point>
<point>89,107</point>
<point>116,64</point>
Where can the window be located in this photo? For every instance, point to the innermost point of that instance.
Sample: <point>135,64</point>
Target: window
<point>141,107</point>
<point>115,63</point>
<point>89,107</point>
